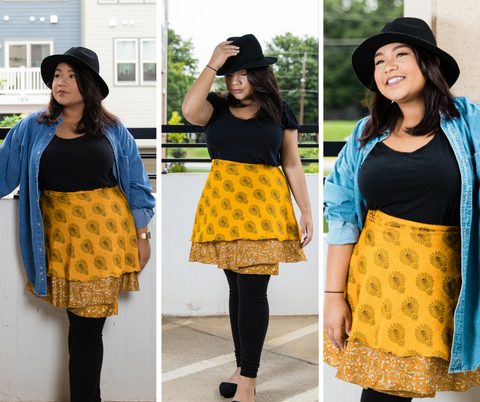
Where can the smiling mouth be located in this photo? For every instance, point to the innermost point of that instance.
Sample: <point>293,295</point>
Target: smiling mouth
<point>395,80</point>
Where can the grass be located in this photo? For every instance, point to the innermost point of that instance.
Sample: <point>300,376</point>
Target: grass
<point>337,130</point>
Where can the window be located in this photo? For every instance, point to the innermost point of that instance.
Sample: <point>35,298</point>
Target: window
<point>26,54</point>
<point>149,61</point>
<point>135,62</point>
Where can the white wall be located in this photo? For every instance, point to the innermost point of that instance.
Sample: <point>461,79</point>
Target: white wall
<point>33,334</point>
<point>197,289</point>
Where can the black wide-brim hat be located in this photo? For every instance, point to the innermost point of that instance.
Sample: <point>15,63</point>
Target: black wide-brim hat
<point>250,56</point>
<point>411,31</point>
<point>74,56</point>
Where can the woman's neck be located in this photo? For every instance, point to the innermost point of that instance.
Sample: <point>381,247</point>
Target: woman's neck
<point>72,115</point>
<point>412,115</point>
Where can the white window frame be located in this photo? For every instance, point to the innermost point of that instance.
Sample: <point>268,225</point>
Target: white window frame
<point>138,62</point>
<point>135,61</point>
<point>142,61</point>
<point>28,43</point>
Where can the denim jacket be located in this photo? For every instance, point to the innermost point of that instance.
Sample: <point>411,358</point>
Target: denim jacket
<point>345,212</point>
<point>20,155</point>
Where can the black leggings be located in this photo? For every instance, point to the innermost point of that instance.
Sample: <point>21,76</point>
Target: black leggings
<point>248,307</point>
<point>370,395</point>
<point>86,355</point>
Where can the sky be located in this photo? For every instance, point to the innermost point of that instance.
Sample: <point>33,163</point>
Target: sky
<point>209,22</point>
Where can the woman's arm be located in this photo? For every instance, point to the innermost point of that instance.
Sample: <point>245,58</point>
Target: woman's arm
<point>336,313</point>
<point>293,170</point>
<point>196,108</point>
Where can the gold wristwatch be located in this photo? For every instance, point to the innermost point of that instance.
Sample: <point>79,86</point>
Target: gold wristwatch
<point>145,235</point>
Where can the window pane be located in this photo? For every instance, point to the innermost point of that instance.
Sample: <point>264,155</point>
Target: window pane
<point>39,52</point>
<point>18,56</point>
<point>149,50</point>
<point>126,51</point>
<point>126,72</point>
<point>150,72</point>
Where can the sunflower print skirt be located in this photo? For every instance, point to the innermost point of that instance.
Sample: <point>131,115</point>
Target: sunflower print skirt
<point>245,220</point>
<point>90,248</point>
<point>402,288</point>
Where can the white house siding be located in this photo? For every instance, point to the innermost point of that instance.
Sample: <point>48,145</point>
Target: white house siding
<point>134,104</point>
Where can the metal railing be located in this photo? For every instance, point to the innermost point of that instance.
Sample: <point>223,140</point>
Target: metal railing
<point>332,148</point>
<point>188,129</point>
<point>22,80</point>
<point>139,133</point>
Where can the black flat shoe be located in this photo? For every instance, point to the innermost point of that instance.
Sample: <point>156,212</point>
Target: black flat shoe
<point>228,389</point>
<point>254,390</point>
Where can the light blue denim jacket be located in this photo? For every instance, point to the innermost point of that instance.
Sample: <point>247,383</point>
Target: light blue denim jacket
<point>345,212</point>
<point>20,156</point>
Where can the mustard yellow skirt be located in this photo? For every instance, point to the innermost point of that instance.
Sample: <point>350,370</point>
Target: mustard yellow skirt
<point>402,288</point>
<point>245,220</point>
<point>90,249</point>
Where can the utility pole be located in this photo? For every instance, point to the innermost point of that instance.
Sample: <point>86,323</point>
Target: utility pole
<point>302,87</point>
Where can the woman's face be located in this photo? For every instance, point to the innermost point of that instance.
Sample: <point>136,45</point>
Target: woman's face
<point>397,74</point>
<point>64,86</point>
<point>238,85</point>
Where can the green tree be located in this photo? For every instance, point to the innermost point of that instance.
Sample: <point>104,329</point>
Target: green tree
<point>346,24</point>
<point>181,67</point>
<point>292,53</point>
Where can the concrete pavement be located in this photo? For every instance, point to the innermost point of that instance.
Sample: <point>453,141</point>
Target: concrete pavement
<point>197,354</point>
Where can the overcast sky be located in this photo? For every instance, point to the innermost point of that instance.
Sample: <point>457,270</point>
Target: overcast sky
<point>209,22</point>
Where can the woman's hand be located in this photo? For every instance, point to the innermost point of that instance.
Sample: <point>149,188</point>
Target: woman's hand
<point>336,315</point>
<point>306,228</point>
<point>143,249</point>
<point>143,253</point>
<point>221,53</point>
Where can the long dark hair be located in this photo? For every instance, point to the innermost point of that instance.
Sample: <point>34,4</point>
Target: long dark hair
<point>384,114</point>
<point>95,117</point>
<point>266,94</point>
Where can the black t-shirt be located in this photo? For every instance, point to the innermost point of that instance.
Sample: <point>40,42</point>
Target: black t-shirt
<point>79,164</point>
<point>421,186</point>
<point>246,141</point>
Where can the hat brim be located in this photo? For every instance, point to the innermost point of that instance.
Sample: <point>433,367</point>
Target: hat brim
<point>50,63</point>
<point>363,56</point>
<point>266,61</point>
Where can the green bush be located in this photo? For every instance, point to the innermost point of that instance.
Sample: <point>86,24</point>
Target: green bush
<point>10,121</point>
<point>176,138</point>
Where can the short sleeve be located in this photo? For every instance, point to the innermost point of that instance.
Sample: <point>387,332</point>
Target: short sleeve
<point>289,120</point>
<point>212,97</point>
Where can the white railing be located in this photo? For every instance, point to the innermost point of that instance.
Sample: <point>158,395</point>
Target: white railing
<point>22,81</point>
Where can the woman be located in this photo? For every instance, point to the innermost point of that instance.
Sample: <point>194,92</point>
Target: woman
<point>245,221</point>
<point>85,203</point>
<point>403,232</point>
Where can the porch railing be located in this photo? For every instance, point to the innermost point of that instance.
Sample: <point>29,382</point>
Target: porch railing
<point>139,133</point>
<point>22,81</point>
<point>304,132</point>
